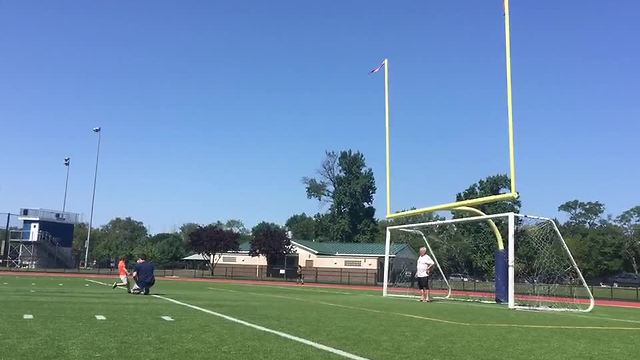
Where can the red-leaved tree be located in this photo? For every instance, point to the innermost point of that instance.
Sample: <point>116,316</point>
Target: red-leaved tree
<point>211,240</point>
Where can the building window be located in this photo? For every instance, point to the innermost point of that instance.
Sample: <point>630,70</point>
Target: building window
<point>228,259</point>
<point>352,263</point>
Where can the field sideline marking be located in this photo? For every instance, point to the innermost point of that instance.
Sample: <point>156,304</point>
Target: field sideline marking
<point>100,317</point>
<point>167,318</point>
<point>257,327</point>
<point>531,326</point>
<point>27,316</point>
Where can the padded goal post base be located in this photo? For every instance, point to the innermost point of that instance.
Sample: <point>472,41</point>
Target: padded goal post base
<point>502,277</point>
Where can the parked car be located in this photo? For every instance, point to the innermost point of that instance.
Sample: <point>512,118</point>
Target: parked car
<point>625,279</point>
<point>459,277</point>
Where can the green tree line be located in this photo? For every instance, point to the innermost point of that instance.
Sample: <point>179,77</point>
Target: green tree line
<point>345,187</point>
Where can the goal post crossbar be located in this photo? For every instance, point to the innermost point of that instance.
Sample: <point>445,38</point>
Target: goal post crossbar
<point>453,221</point>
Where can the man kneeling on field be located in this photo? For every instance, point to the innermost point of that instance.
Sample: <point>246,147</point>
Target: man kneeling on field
<point>143,276</point>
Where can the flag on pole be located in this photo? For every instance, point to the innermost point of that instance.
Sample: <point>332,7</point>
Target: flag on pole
<point>377,69</point>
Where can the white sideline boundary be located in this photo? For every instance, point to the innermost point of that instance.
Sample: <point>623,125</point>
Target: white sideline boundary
<point>257,327</point>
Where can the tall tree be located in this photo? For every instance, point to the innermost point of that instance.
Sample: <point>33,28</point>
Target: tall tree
<point>587,213</point>
<point>630,223</point>
<point>185,230</point>
<point>164,249</point>
<point>270,241</point>
<point>597,250</point>
<point>236,226</point>
<point>210,241</point>
<point>119,237</point>
<point>302,227</point>
<point>348,186</point>
<point>323,227</point>
<point>491,185</point>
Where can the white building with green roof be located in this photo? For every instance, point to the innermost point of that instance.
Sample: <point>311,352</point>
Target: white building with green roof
<point>326,261</point>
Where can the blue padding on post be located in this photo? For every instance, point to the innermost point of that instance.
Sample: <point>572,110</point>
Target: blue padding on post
<point>502,277</point>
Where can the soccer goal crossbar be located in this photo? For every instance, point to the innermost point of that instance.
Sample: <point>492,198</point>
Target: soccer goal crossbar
<point>536,270</point>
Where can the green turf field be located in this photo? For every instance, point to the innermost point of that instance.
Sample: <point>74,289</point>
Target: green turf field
<point>271,322</point>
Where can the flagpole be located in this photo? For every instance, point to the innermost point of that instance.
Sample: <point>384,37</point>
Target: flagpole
<point>386,119</point>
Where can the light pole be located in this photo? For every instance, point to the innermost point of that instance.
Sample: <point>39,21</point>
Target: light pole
<point>93,197</point>
<point>67,164</point>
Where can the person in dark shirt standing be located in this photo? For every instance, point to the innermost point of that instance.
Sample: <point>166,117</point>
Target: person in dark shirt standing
<point>300,274</point>
<point>143,276</point>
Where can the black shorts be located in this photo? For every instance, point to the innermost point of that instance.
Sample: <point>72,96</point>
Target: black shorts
<point>423,283</point>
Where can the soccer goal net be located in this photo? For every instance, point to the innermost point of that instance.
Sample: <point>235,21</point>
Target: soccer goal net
<point>519,260</point>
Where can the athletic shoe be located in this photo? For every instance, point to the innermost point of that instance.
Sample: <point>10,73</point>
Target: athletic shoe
<point>115,284</point>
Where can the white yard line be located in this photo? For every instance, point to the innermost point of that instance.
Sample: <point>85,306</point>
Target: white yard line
<point>267,330</point>
<point>257,327</point>
<point>27,316</point>
<point>100,317</point>
<point>97,282</point>
<point>168,318</point>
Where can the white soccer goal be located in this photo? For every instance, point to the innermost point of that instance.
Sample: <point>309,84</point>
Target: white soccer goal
<point>519,260</point>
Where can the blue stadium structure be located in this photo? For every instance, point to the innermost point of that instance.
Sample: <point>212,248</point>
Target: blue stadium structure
<point>44,239</point>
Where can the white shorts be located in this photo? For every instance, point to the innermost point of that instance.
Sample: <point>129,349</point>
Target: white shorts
<point>124,279</point>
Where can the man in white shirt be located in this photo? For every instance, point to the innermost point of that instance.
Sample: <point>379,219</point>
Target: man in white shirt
<point>423,269</point>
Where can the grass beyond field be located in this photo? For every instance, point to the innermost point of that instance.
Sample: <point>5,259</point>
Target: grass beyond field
<point>238,321</point>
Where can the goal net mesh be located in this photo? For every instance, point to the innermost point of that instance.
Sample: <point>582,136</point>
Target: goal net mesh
<point>545,277</point>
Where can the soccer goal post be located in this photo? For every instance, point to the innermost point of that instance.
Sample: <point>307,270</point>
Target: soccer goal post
<point>520,260</point>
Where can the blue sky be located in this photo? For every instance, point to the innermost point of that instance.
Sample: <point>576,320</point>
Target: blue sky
<point>216,109</point>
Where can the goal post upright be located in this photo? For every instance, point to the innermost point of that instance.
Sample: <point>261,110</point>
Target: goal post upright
<point>387,249</point>
<point>385,63</point>
<point>511,261</point>
<point>507,50</point>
